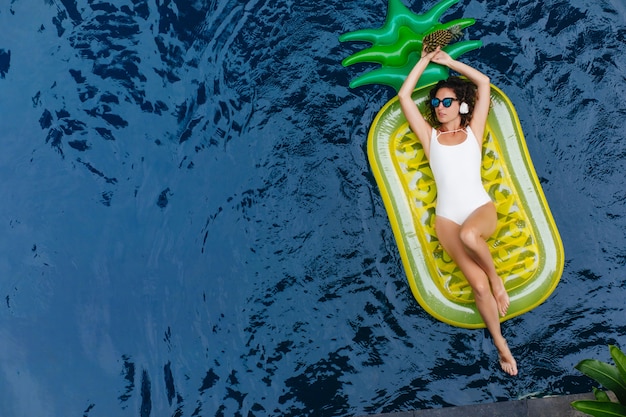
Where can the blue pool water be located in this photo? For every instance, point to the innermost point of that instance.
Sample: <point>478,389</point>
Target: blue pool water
<point>190,226</point>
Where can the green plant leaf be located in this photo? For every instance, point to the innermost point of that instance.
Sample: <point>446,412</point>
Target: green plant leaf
<point>601,395</point>
<point>620,360</point>
<point>606,375</point>
<point>600,408</point>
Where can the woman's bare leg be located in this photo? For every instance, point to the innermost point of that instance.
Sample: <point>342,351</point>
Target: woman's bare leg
<point>474,233</point>
<point>448,233</point>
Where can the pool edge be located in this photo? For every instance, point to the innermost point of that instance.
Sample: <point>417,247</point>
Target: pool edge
<point>554,406</point>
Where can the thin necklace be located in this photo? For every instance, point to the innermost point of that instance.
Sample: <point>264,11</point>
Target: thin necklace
<point>441,132</point>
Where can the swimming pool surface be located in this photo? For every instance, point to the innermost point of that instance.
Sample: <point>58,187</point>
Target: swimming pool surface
<point>190,226</point>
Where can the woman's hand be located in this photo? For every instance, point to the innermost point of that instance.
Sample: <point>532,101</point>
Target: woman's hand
<point>442,58</point>
<point>429,55</point>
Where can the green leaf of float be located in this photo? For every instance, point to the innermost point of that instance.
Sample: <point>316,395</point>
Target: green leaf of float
<point>607,375</point>
<point>620,360</point>
<point>399,15</point>
<point>394,55</point>
<point>397,54</point>
<point>394,77</point>
<point>599,408</point>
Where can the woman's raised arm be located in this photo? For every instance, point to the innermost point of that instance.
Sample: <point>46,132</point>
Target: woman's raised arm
<point>418,124</point>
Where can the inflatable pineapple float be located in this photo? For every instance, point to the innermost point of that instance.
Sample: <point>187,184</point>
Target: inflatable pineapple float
<point>527,248</point>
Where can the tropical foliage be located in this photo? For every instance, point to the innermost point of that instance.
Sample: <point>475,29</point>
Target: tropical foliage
<point>612,378</point>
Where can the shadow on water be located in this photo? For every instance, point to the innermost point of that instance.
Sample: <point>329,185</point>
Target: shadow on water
<point>191,227</point>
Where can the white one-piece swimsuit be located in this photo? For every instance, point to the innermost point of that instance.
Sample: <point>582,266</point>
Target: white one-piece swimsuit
<point>456,169</point>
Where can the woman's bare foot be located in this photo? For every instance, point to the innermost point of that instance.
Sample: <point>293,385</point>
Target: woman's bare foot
<point>507,361</point>
<point>500,294</point>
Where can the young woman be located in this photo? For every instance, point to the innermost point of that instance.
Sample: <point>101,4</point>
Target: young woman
<point>465,215</point>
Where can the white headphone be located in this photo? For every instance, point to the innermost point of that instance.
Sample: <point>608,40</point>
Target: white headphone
<point>464,108</point>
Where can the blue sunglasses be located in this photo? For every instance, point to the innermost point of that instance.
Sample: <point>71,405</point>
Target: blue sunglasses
<point>447,102</point>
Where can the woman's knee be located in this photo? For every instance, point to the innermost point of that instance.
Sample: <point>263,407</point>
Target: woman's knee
<point>469,236</point>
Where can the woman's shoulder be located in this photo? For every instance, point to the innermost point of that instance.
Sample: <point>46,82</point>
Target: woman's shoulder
<point>472,134</point>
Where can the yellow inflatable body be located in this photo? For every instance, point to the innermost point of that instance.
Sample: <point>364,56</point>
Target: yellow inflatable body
<point>526,247</point>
